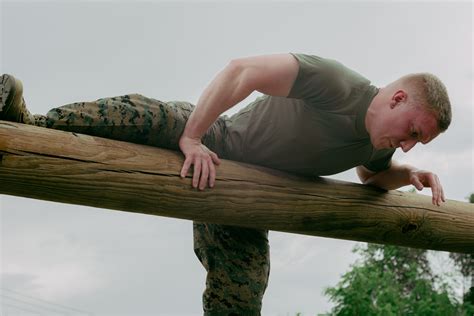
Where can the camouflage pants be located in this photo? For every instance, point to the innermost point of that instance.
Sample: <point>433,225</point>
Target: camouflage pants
<point>236,259</point>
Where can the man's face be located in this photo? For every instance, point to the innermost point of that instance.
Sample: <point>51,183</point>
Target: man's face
<point>402,125</point>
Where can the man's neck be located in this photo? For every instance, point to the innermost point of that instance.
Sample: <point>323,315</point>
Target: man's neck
<point>372,110</point>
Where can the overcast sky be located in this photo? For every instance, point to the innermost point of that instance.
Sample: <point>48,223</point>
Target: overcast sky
<point>115,263</point>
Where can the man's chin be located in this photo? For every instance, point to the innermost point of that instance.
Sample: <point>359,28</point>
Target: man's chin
<point>380,146</point>
<point>375,145</point>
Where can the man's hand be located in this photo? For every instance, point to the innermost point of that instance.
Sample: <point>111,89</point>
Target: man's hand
<point>423,178</point>
<point>202,158</point>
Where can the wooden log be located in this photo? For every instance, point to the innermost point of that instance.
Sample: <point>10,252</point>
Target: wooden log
<point>79,169</point>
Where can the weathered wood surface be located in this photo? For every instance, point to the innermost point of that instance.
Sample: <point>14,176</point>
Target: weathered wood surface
<point>79,169</point>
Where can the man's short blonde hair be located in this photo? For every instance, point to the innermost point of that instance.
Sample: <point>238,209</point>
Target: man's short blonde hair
<point>429,90</point>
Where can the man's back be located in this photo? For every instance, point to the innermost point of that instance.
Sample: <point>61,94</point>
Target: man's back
<point>317,130</point>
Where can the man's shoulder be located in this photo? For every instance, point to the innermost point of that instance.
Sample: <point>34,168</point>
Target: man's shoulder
<point>328,65</point>
<point>324,80</point>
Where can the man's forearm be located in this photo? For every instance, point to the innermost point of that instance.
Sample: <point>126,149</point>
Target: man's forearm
<point>397,176</point>
<point>400,175</point>
<point>226,90</point>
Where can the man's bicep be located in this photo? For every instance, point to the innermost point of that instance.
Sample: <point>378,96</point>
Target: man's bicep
<point>269,74</point>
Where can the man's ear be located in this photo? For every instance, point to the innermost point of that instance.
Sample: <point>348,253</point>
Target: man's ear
<point>398,97</point>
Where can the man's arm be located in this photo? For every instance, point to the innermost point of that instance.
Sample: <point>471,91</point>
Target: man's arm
<point>400,175</point>
<point>269,74</point>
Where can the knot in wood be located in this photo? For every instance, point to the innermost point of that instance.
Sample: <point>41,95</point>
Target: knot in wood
<point>409,227</point>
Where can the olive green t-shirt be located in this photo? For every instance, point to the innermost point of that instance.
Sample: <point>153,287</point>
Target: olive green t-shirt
<point>318,129</point>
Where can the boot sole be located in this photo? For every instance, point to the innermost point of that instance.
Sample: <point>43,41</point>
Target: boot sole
<point>11,92</point>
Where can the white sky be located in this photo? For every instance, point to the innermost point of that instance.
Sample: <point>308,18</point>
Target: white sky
<point>116,263</point>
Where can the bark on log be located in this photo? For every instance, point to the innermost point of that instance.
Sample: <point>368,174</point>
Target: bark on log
<point>80,169</point>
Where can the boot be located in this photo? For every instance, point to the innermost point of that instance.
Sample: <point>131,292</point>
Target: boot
<point>12,105</point>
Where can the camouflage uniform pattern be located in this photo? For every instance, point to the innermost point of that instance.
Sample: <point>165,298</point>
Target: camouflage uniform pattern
<point>236,259</point>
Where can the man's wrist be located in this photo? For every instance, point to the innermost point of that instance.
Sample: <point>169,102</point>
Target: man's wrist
<point>190,135</point>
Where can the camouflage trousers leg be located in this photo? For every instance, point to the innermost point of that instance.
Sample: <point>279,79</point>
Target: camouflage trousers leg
<point>132,118</point>
<point>236,259</point>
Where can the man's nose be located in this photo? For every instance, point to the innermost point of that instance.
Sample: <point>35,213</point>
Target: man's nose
<point>407,145</point>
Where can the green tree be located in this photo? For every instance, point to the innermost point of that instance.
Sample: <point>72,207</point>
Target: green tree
<point>465,263</point>
<point>391,280</point>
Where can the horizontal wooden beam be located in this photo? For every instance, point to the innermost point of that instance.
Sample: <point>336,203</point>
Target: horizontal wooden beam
<point>79,169</point>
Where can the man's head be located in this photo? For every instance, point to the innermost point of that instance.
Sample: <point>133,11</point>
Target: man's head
<point>412,109</point>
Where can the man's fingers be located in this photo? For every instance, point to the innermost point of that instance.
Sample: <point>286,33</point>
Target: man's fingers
<point>430,180</point>
<point>204,171</point>
<point>185,168</point>
<point>197,172</point>
<point>215,158</point>
<point>439,190</point>
<point>441,197</point>
<point>434,198</point>
<point>436,189</point>
<point>204,175</point>
<point>212,174</point>
<point>417,183</point>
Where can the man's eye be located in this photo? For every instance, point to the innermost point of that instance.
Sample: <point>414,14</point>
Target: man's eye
<point>414,134</point>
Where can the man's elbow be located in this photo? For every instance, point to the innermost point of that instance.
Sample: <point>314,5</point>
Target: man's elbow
<point>364,174</point>
<point>240,72</point>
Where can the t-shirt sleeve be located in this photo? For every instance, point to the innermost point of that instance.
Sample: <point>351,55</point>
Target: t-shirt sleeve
<point>319,80</point>
<point>380,161</point>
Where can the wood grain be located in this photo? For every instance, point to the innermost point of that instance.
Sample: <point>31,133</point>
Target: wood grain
<point>79,169</point>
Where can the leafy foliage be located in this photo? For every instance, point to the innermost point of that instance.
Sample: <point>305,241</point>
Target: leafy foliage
<point>391,280</point>
<point>470,198</point>
<point>465,263</point>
